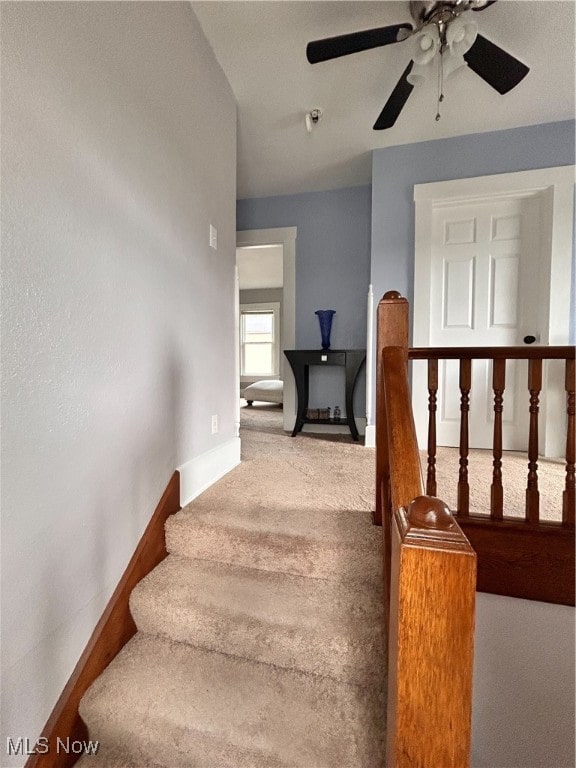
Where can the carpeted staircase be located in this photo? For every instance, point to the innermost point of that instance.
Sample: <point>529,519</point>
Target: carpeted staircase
<point>260,636</point>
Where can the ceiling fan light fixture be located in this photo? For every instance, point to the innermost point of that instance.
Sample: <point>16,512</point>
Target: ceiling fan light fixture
<point>460,36</point>
<point>451,62</point>
<point>443,36</point>
<point>426,45</point>
<point>419,74</point>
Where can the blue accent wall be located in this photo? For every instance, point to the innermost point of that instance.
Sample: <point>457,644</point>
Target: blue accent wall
<point>350,237</point>
<point>332,271</point>
<point>332,256</point>
<point>395,171</point>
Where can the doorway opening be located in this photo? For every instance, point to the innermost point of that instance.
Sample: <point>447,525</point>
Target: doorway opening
<point>265,312</point>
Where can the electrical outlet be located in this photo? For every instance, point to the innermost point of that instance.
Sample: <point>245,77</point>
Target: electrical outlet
<point>214,424</point>
<point>213,237</point>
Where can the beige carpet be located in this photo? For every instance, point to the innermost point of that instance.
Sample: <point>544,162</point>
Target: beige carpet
<point>260,636</point>
<point>551,472</point>
<point>551,475</point>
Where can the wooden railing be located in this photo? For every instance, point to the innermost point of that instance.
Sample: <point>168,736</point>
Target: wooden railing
<point>430,578</point>
<point>529,558</point>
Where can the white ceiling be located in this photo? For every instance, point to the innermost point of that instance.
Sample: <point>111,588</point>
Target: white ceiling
<point>260,266</point>
<point>261,47</point>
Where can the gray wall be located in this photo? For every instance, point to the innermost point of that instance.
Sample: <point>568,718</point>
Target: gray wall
<point>332,272</point>
<point>523,700</point>
<point>119,149</point>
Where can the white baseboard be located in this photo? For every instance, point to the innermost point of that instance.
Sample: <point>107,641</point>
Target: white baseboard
<point>200,473</point>
<point>370,436</point>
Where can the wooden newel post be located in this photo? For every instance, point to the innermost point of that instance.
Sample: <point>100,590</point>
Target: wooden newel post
<point>391,331</point>
<point>431,636</point>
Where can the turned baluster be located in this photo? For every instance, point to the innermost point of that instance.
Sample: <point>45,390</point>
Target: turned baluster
<point>496,492</point>
<point>432,392</point>
<point>569,495</point>
<point>532,492</point>
<point>463,487</point>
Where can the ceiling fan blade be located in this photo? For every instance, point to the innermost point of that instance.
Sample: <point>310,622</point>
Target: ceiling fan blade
<point>498,68</point>
<point>343,45</point>
<point>396,101</point>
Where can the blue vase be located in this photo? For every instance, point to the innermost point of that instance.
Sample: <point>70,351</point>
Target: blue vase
<point>325,318</point>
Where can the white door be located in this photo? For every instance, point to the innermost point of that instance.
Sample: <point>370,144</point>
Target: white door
<point>492,265</point>
<point>484,283</point>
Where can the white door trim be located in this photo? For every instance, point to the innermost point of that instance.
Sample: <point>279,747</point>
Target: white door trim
<point>556,188</point>
<point>237,349</point>
<point>285,236</point>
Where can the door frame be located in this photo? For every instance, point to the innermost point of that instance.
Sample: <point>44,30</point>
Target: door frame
<point>555,187</point>
<point>286,237</point>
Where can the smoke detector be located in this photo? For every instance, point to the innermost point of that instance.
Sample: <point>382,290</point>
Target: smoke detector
<point>313,118</point>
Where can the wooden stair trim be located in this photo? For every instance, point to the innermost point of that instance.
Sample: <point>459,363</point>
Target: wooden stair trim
<point>516,559</point>
<point>115,628</point>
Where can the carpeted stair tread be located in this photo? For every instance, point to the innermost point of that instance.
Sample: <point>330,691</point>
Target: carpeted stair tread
<point>295,473</point>
<point>177,705</point>
<point>323,544</point>
<point>219,753</point>
<point>321,626</point>
<point>114,758</point>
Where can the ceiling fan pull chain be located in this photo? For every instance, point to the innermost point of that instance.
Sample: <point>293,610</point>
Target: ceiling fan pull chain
<point>440,82</point>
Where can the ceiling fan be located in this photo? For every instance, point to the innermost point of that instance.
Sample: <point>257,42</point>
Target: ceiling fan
<point>440,34</point>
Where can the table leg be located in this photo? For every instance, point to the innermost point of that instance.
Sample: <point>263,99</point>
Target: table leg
<point>302,389</point>
<point>352,372</point>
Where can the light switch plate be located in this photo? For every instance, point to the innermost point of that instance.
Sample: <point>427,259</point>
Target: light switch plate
<point>213,237</point>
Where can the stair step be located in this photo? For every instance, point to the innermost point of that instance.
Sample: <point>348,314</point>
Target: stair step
<point>321,626</point>
<point>173,704</point>
<point>321,544</point>
<point>113,758</point>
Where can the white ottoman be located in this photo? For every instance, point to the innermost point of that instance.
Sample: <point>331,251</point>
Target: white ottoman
<point>266,391</point>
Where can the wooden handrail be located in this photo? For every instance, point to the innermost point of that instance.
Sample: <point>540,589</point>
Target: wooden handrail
<point>430,578</point>
<point>492,353</point>
<point>429,564</point>
<point>405,471</point>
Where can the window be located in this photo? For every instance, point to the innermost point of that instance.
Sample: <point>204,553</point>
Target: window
<point>259,339</point>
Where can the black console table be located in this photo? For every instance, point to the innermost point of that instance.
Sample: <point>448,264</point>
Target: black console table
<point>300,361</point>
